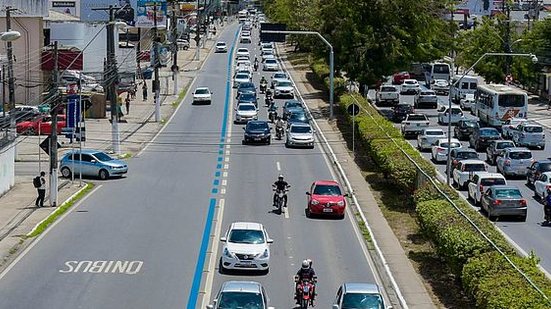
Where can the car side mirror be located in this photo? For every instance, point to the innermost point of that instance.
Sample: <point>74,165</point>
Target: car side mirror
<point>270,241</point>
<point>335,306</point>
<point>93,161</point>
<point>210,306</point>
<point>223,239</point>
<point>308,193</point>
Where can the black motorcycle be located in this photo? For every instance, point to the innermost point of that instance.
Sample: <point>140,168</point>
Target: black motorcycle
<point>280,199</point>
<point>272,114</point>
<point>279,133</point>
<point>263,87</point>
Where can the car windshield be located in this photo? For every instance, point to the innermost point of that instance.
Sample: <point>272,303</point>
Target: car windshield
<point>284,84</point>
<point>453,145</point>
<point>410,82</point>
<point>417,118</point>
<point>388,89</point>
<point>533,129</point>
<point>271,61</point>
<point>434,133</point>
<point>492,181</point>
<point>467,155</point>
<point>220,44</point>
<point>240,300</point>
<point>470,124</point>
<point>242,76</point>
<point>280,75</point>
<point>518,155</point>
<point>292,104</point>
<point>327,190</point>
<point>511,100</point>
<point>544,167</point>
<point>201,91</point>
<point>300,129</point>
<point>403,107</point>
<point>508,193</point>
<point>428,93</point>
<point>246,85</point>
<point>247,96</point>
<point>246,107</point>
<point>256,126</point>
<point>243,50</point>
<point>503,145</point>
<point>489,132</point>
<point>362,301</point>
<point>103,156</point>
<point>455,111</point>
<point>246,237</point>
<point>476,167</point>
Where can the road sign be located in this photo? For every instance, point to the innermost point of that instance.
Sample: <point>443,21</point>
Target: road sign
<point>73,110</point>
<point>272,37</point>
<point>353,109</point>
<point>45,145</point>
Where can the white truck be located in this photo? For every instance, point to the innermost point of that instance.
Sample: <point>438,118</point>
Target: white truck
<point>388,93</point>
<point>414,124</point>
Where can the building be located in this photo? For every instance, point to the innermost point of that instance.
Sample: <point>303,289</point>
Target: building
<point>71,7</point>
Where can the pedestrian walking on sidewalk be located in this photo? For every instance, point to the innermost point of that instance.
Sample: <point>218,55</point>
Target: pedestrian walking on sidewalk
<point>144,91</point>
<point>133,91</point>
<point>127,103</point>
<point>39,183</point>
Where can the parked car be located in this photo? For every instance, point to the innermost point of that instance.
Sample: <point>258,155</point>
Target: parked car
<point>464,128</point>
<point>284,88</point>
<point>414,124</point>
<point>278,76</point>
<point>464,170</point>
<point>426,98</point>
<point>257,131</point>
<point>456,114</point>
<point>326,198</point>
<point>459,154</point>
<point>90,162</point>
<point>202,95</point>
<point>300,135</point>
<point>410,86</point>
<point>241,294</point>
<point>387,93</point>
<point>398,78</point>
<point>529,135</point>
<point>505,200</point>
<point>467,102</point>
<point>480,182</point>
<point>536,170</point>
<point>245,112</point>
<point>440,86</point>
<point>246,247</point>
<point>441,147</point>
<point>221,47</point>
<point>514,162</point>
<point>542,184</point>
<point>481,137</point>
<point>496,148</point>
<point>510,125</point>
<point>428,137</point>
<point>400,111</point>
<point>41,124</point>
<point>270,65</point>
<point>360,296</point>
<point>290,105</point>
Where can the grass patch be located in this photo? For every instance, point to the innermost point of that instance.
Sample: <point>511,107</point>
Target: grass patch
<point>163,120</point>
<point>125,155</point>
<point>60,211</point>
<point>181,96</point>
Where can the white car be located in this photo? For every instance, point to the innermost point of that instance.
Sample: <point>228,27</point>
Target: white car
<point>202,95</point>
<point>244,70</point>
<point>242,52</point>
<point>467,102</point>
<point>267,45</point>
<point>239,64</point>
<point>246,247</point>
<point>277,77</point>
<point>480,183</point>
<point>428,137</point>
<point>542,184</point>
<point>284,88</point>
<point>245,112</point>
<point>529,135</point>
<point>300,135</point>
<point>457,114</point>
<point>440,86</point>
<point>270,65</point>
<point>439,151</point>
<point>243,58</point>
<point>240,78</point>
<point>410,86</point>
<point>510,125</point>
<point>246,33</point>
<point>245,39</point>
<point>221,47</point>
<point>464,170</point>
<point>425,98</point>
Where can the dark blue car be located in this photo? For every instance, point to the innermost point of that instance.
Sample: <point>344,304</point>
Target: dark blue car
<point>257,131</point>
<point>246,88</point>
<point>247,97</point>
<point>291,105</point>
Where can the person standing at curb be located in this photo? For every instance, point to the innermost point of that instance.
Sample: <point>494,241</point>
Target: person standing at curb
<point>39,183</point>
<point>127,103</point>
<point>144,91</point>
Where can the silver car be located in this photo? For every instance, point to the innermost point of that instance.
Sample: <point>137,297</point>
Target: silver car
<point>529,135</point>
<point>359,295</point>
<point>241,294</point>
<point>503,200</point>
<point>300,135</point>
<point>245,112</point>
<point>514,162</point>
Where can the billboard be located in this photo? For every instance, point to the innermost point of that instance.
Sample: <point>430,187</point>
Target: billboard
<point>145,13</point>
<point>87,12</point>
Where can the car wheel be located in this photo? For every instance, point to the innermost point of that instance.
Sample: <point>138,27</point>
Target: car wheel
<point>523,218</point>
<point>268,142</point>
<point>491,217</point>
<point>308,213</point>
<point>542,147</point>
<point>65,172</point>
<point>30,131</point>
<point>103,174</point>
<point>286,145</point>
<point>221,268</point>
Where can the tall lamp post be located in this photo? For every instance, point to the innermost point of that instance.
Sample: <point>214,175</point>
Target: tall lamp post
<point>9,36</point>
<point>448,162</point>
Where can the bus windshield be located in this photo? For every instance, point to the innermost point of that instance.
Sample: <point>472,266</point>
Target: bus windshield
<point>441,69</point>
<point>511,100</point>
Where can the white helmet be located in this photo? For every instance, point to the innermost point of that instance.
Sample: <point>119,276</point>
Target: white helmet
<point>305,264</point>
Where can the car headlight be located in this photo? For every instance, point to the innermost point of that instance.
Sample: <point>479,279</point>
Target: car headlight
<point>340,203</point>
<point>228,254</point>
<point>314,202</point>
<point>264,255</point>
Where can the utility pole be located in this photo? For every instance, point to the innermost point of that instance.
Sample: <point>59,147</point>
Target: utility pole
<point>156,82</point>
<point>507,42</point>
<point>197,30</point>
<point>112,80</point>
<point>175,69</point>
<point>11,83</point>
<point>54,107</point>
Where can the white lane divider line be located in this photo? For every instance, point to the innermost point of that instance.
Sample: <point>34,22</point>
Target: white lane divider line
<point>227,159</point>
<point>224,182</point>
<point>225,174</point>
<point>286,212</point>
<point>226,166</point>
<point>227,152</point>
<point>229,141</point>
<point>278,166</point>
<point>214,252</point>
<point>223,191</point>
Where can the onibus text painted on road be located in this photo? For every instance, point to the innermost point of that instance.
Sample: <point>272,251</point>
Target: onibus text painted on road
<point>102,267</point>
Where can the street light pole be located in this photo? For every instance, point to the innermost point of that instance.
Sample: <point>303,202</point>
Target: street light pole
<point>156,82</point>
<point>112,77</point>
<point>11,83</point>
<point>331,62</point>
<point>448,161</point>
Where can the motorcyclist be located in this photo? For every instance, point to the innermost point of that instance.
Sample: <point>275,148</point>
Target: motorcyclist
<point>256,64</point>
<point>268,93</point>
<point>279,124</point>
<point>280,185</point>
<point>307,272</point>
<point>272,111</point>
<point>263,81</point>
<point>547,207</point>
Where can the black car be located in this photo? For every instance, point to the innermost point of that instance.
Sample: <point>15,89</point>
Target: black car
<point>481,137</point>
<point>536,169</point>
<point>297,116</point>
<point>459,154</point>
<point>400,111</point>
<point>496,148</point>
<point>464,128</point>
<point>290,105</point>
<point>248,97</point>
<point>257,131</point>
<point>246,88</point>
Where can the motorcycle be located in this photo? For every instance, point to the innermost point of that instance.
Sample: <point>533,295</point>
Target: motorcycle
<point>268,101</point>
<point>279,133</point>
<point>256,66</point>
<point>263,87</point>
<point>280,199</point>
<point>305,290</point>
<point>272,113</point>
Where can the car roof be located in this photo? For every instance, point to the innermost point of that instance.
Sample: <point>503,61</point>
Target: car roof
<point>489,175</point>
<point>202,87</point>
<point>434,129</point>
<point>326,182</point>
<point>518,149</point>
<point>241,286</point>
<point>464,150</point>
<point>300,124</point>
<point>504,187</point>
<point>246,225</point>
<point>472,161</point>
<point>292,101</point>
<point>220,42</point>
<point>257,122</point>
<point>357,287</point>
<point>85,151</point>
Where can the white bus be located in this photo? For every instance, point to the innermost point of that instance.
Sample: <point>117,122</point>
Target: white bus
<point>467,85</point>
<point>437,70</point>
<point>495,103</point>
<point>243,15</point>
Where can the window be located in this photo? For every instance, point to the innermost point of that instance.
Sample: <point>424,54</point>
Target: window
<point>492,181</point>
<point>235,300</point>
<point>474,168</point>
<point>520,155</point>
<point>464,85</point>
<point>544,167</point>
<point>434,133</point>
<point>246,237</point>
<point>300,129</point>
<point>508,193</point>
<point>511,100</point>
<point>533,129</point>
<point>441,69</point>
<point>503,145</point>
<point>473,86</point>
<point>101,156</point>
<point>361,301</point>
<point>417,118</point>
<point>327,190</point>
<point>87,158</point>
<point>246,107</point>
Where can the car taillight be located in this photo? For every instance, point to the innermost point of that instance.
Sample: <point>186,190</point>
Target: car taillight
<point>507,162</point>
<point>497,202</point>
<point>481,188</point>
<point>523,202</point>
<point>510,127</point>
<point>440,149</point>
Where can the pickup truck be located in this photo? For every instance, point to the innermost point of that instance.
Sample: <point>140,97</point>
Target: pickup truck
<point>414,124</point>
<point>387,93</point>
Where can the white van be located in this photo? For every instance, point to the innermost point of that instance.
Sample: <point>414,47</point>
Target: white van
<point>467,85</point>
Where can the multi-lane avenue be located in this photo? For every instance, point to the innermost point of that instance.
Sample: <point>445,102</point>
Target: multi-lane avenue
<point>141,241</point>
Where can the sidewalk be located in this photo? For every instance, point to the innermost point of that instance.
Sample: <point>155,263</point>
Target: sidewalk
<point>411,285</point>
<point>18,215</point>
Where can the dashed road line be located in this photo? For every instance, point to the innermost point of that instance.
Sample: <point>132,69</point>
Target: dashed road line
<point>278,166</point>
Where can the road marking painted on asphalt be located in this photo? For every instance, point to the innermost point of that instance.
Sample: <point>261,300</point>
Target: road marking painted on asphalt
<point>102,267</point>
<point>278,166</point>
<point>225,174</point>
<point>286,212</point>
<point>226,166</point>
<point>227,159</point>
<point>224,182</point>
<point>227,152</point>
<point>229,141</point>
<point>223,191</point>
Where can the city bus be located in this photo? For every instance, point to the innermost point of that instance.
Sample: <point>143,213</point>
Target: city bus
<point>437,70</point>
<point>467,85</point>
<point>495,103</point>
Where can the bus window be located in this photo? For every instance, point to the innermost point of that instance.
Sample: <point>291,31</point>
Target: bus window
<point>511,100</point>
<point>465,86</point>
<point>473,86</point>
<point>441,69</point>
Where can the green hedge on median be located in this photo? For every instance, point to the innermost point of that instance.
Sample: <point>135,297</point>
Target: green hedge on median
<point>321,71</point>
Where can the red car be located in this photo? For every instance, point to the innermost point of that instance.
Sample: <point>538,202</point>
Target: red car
<point>398,78</point>
<point>42,124</point>
<point>326,198</point>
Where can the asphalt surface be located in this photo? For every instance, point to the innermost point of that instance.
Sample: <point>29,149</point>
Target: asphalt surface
<point>155,221</point>
<point>529,235</point>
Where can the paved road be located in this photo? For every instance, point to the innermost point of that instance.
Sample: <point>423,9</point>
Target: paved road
<point>139,241</point>
<point>529,235</point>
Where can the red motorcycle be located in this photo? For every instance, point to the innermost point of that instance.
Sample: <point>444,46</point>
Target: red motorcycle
<point>305,292</point>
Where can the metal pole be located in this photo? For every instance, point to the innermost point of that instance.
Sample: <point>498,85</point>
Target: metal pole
<point>4,105</point>
<point>112,79</point>
<point>11,85</point>
<point>80,127</point>
<point>175,68</point>
<point>53,135</point>
<point>156,83</point>
<point>353,134</point>
<point>197,36</point>
<point>331,80</point>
